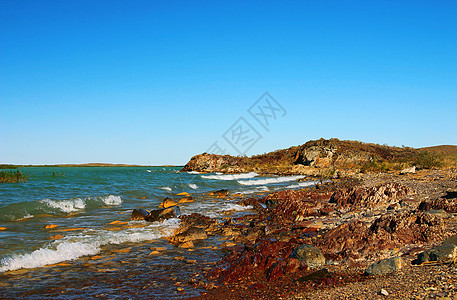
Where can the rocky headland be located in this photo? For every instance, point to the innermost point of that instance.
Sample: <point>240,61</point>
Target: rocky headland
<point>383,223</point>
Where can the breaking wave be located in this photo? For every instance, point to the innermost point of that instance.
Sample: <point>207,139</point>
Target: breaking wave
<point>270,180</point>
<point>89,243</point>
<point>231,176</point>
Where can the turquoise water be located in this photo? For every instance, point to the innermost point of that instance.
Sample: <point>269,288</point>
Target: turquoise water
<point>83,201</point>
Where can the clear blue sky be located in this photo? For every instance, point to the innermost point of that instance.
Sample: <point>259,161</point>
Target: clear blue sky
<point>157,82</point>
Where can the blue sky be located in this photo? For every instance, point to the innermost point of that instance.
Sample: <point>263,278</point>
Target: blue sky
<point>156,82</point>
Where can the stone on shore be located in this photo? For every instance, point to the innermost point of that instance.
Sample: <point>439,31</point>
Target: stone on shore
<point>385,266</point>
<point>444,253</point>
<point>167,202</point>
<point>310,255</point>
<point>155,215</point>
<point>411,170</point>
<point>188,234</point>
<point>139,214</point>
<point>219,193</point>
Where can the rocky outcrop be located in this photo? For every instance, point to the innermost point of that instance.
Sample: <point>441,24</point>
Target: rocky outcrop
<point>368,197</point>
<point>358,240</point>
<point>269,259</point>
<point>314,158</point>
<point>214,163</point>
<point>448,205</point>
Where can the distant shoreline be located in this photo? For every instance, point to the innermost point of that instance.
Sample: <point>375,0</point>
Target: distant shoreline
<point>11,166</point>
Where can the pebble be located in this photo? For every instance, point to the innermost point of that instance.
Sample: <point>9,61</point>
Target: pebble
<point>384,292</point>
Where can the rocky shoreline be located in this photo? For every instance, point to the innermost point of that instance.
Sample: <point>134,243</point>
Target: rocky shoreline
<point>368,236</point>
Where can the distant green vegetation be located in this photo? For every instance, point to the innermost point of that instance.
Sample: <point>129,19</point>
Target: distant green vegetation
<point>12,176</point>
<point>8,167</point>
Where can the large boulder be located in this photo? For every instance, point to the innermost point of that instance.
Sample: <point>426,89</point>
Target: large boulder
<point>385,266</point>
<point>310,255</point>
<point>446,252</point>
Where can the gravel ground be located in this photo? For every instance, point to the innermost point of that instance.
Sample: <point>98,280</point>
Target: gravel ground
<point>411,282</point>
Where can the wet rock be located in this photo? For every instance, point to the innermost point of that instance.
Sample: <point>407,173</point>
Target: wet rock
<point>385,266</point>
<point>219,193</point>
<point>411,170</point>
<point>155,215</point>
<point>188,234</point>
<point>310,255</point>
<point>139,214</point>
<point>163,214</point>
<point>359,196</point>
<point>167,202</point>
<point>446,252</point>
<point>187,199</point>
<point>187,245</point>
<point>56,237</point>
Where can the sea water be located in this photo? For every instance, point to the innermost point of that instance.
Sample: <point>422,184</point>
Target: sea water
<point>89,211</point>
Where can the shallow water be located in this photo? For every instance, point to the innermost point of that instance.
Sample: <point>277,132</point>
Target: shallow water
<point>94,257</point>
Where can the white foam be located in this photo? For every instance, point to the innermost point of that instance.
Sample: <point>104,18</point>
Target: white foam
<point>236,207</point>
<point>87,243</point>
<point>112,200</point>
<point>67,206</point>
<point>270,180</point>
<point>72,205</point>
<point>193,186</point>
<point>231,176</point>
<point>302,184</point>
<point>27,216</point>
<point>149,171</point>
<point>193,172</point>
<point>166,188</point>
<point>256,190</point>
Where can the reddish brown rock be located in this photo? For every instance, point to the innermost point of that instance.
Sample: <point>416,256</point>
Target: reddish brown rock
<point>382,194</point>
<point>448,205</point>
<point>357,240</point>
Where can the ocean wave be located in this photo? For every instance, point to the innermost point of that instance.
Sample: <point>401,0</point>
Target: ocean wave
<point>231,176</point>
<point>193,172</point>
<point>166,188</point>
<point>193,186</point>
<point>302,184</point>
<point>89,243</point>
<point>255,190</point>
<point>67,206</point>
<point>24,210</point>
<point>270,180</point>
